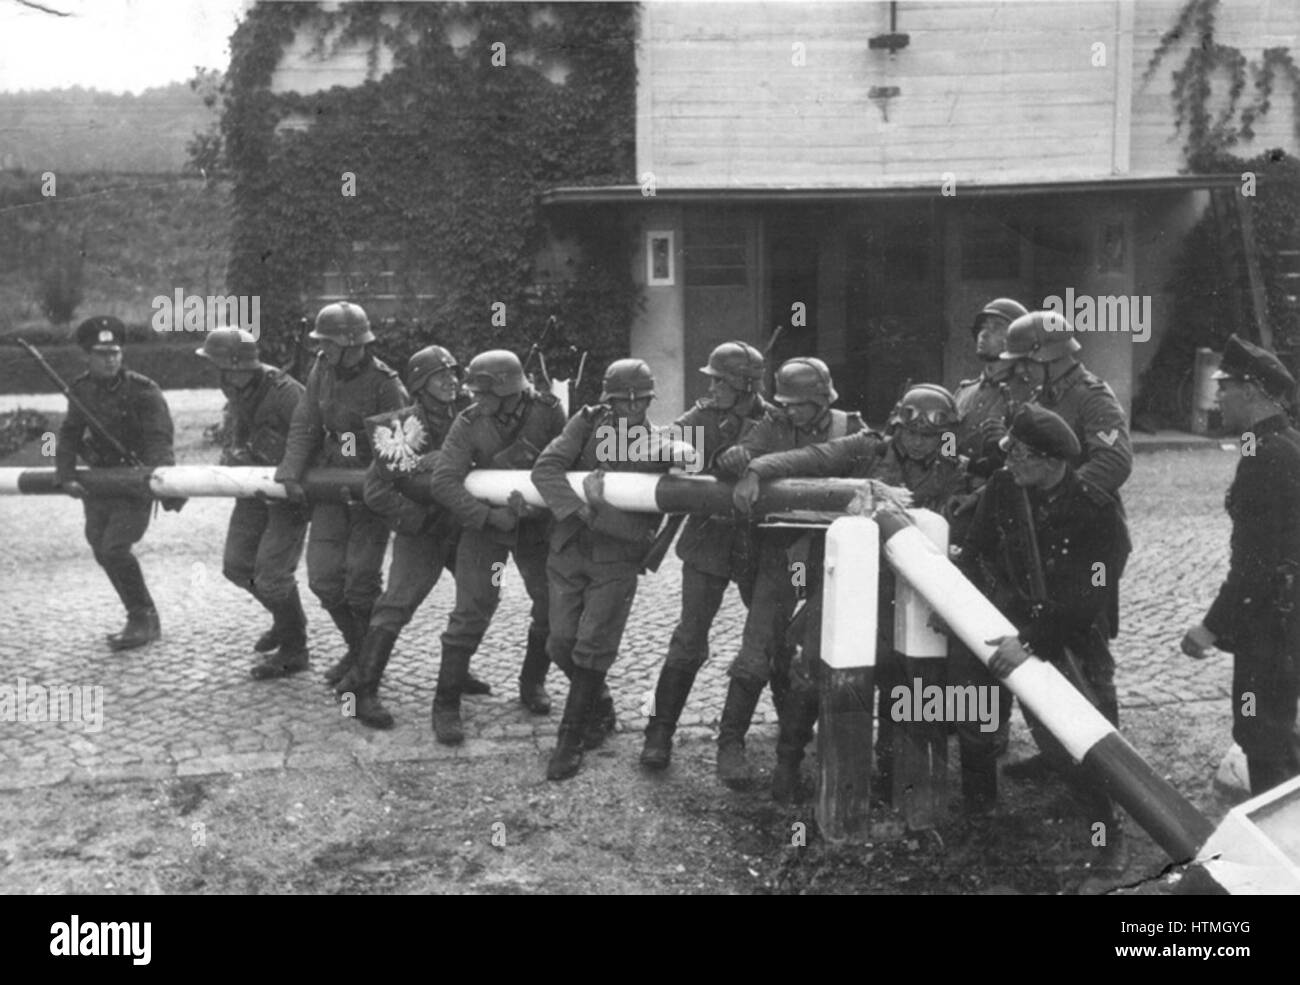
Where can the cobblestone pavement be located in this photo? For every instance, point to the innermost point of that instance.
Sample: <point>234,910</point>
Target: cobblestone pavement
<point>187,706</point>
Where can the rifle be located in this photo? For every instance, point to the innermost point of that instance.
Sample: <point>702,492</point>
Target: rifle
<point>658,550</point>
<point>1038,589</point>
<point>100,430</point>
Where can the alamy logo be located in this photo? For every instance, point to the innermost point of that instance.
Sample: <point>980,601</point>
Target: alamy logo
<point>53,703</point>
<point>196,313</point>
<point>101,939</point>
<point>645,443</point>
<point>1105,313</point>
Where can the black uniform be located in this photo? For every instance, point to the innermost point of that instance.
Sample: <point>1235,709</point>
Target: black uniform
<point>131,407</point>
<point>1078,526</point>
<point>1256,615</point>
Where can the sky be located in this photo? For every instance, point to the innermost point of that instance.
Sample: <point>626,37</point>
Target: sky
<point>113,45</point>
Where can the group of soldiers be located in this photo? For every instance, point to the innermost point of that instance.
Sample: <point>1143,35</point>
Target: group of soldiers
<point>1025,462</point>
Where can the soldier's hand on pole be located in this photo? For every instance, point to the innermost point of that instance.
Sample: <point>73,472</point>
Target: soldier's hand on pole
<point>1009,655</point>
<point>593,488</point>
<point>294,492</point>
<point>74,489</point>
<point>1198,641</point>
<point>745,494</point>
<point>174,504</point>
<point>733,460</point>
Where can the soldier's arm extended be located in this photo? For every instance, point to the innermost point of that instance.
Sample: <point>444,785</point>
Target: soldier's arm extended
<point>455,460</point>
<point>556,459</point>
<point>1108,449</point>
<point>156,432</point>
<point>837,457</point>
<point>305,432</point>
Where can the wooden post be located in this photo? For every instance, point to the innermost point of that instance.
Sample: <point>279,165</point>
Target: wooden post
<point>852,572</point>
<point>920,746</point>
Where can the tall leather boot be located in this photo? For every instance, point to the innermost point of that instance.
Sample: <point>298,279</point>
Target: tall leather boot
<point>602,722</point>
<point>452,671</point>
<point>532,676</point>
<point>346,623</point>
<point>584,691</point>
<point>142,624</point>
<point>738,711</point>
<point>375,652</point>
<point>670,697</point>
<point>796,731</point>
<point>291,629</point>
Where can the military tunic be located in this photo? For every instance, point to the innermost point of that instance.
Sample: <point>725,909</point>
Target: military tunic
<point>345,548</point>
<point>264,540</point>
<point>1256,614</point>
<point>132,408</point>
<point>406,445</point>
<point>593,569</point>
<point>714,550</point>
<point>764,654</point>
<point>478,440</point>
<point>979,400</point>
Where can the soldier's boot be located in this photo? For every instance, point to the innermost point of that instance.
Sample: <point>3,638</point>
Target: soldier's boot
<point>671,691</point>
<point>474,687</point>
<point>447,726</point>
<point>796,731</point>
<point>142,628</point>
<point>585,687</point>
<point>734,769</point>
<point>602,722</point>
<point>291,629</point>
<point>532,676</point>
<point>376,650</point>
<point>779,685</point>
<point>268,641</point>
<point>347,626</point>
<point>142,624</point>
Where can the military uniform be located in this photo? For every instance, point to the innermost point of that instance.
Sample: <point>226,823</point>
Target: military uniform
<point>345,548</point>
<point>978,400</point>
<point>479,440</point>
<point>1256,615</point>
<point>714,550</point>
<point>264,540</point>
<point>406,445</point>
<point>132,408</point>
<point>1078,526</point>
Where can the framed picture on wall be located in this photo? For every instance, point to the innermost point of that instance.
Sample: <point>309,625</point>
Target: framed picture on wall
<point>659,259</point>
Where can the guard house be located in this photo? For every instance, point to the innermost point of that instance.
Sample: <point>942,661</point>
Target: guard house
<point>868,175</point>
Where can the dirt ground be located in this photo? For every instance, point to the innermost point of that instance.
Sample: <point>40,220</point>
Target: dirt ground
<point>488,822</point>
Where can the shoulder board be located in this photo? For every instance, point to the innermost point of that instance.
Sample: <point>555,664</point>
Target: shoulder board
<point>855,422</point>
<point>384,368</point>
<point>591,412</point>
<point>973,381</point>
<point>139,379</point>
<point>704,403</point>
<point>546,397</point>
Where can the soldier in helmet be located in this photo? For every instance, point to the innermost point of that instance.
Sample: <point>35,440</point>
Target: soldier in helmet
<point>133,410</point>
<point>981,403</point>
<point>1256,614</point>
<point>506,427</point>
<point>910,455</point>
<point>805,392</point>
<point>713,550</point>
<point>596,552</point>
<point>264,540</point>
<point>406,444</point>
<point>345,548</point>
<point>1077,527</point>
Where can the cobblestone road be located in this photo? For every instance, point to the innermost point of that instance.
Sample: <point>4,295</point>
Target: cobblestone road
<point>186,705</point>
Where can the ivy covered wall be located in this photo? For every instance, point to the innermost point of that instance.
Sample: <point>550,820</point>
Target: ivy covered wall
<point>486,106</point>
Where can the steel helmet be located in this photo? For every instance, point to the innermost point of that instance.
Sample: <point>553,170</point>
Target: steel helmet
<point>738,364</point>
<point>1003,308</point>
<point>425,363</point>
<point>344,323</point>
<point>231,348</point>
<point>805,380</point>
<point>927,408</point>
<point>1041,337</point>
<point>497,371</point>
<point>628,379</point>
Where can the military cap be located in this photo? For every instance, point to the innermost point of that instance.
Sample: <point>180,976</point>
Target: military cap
<point>101,332</point>
<point>1044,433</point>
<point>1244,360</point>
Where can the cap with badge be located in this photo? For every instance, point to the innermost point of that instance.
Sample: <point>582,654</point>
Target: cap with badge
<point>1244,360</point>
<point>1043,433</point>
<point>103,332</point>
